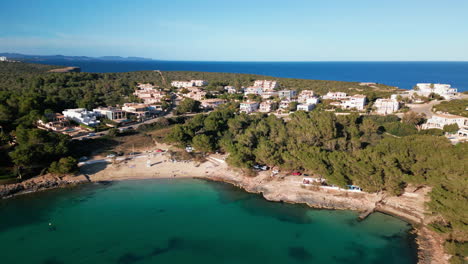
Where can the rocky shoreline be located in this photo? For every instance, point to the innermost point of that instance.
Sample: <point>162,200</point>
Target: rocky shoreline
<point>41,183</point>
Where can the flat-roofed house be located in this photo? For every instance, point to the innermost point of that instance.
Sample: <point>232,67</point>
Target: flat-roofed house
<point>266,84</point>
<point>445,90</point>
<point>357,102</point>
<point>267,106</point>
<point>248,107</point>
<point>82,116</point>
<point>269,94</point>
<point>182,84</point>
<point>286,94</point>
<point>212,103</point>
<point>386,106</point>
<point>440,120</point>
<point>305,107</point>
<point>253,90</point>
<point>335,96</point>
<point>111,113</point>
<point>304,95</point>
<point>199,82</point>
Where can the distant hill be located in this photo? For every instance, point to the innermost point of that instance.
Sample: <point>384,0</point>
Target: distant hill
<point>25,57</point>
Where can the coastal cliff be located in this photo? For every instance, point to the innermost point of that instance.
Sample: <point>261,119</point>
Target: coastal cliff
<point>40,183</point>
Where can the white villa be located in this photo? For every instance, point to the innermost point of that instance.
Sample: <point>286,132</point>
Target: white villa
<point>304,95</point>
<point>199,83</point>
<point>248,107</point>
<point>149,93</point>
<point>196,94</point>
<point>445,90</point>
<point>212,103</point>
<point>284,104</point>
<point>266,84</point>
<point>3,58</point>
<point>287,94</point>
<point>267,106</point>
<point>268,94</point>
<point>305,107</point>
<point>112,113</point>
<point>186,84</point>
<point>386,106</point>
<point>230,89</point>
<point>312,100</point>
<point>357,101</point>
<point>440,120</point>
<point>82,116</point>
<point>335,96</point>
<point>253,90</point>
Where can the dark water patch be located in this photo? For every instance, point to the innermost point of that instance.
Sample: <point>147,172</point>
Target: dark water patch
<point>390,253</point>
<point>256,205</point>
<point>52,260</point>
<point>102,251</point>
<point>299,254</point>
<point>129,258</point>
<point>158,251</point>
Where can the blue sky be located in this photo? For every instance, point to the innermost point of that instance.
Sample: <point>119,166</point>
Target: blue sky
<point>288,30</point>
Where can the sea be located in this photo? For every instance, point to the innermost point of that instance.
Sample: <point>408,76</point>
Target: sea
<point>404,75</point>
<point>190,221</point>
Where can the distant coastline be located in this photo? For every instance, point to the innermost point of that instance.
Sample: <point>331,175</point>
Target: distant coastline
<point>400,74</point>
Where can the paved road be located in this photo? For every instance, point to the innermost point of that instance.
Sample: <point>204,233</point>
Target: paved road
<point>424,108</point>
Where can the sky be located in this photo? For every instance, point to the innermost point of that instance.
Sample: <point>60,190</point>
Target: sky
<point>241,30</point>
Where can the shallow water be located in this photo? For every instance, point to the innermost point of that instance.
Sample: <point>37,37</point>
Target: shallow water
<point>189,221</point>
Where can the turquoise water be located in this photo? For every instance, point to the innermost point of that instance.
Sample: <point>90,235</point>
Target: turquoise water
<point>189,221</point>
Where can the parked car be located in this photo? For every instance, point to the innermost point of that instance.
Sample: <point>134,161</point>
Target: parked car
<point>84,158</point>
<point>260,167</point>
<point>91,134</point>
<point>296,173</point>
<point>110,156</point>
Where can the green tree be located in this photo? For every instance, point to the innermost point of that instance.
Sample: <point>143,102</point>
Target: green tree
<point>64,166</point>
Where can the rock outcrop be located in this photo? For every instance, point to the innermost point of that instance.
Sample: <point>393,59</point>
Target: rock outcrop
<point>40,183</point>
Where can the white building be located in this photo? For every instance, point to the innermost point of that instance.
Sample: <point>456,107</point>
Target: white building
<point>304,95</point>
<point>253,90</point>
<point>82,116</point>
<point>357,102</point>
<point>386,106</point>
<point>284,104</point>
<point>196,94</point>
<point>111,113</point>
<point>268,94</point>
<point>440,120</point>
<point>150,94</point>
<point>230,89</point>
<point>335,96</point>
<point>212,103</point>
<point>267,106</point>
<point>312,100</point>
<point>248,107</point>
<point>266,84</point>
<point>286,94</point>
<point>182,84</point>
<point>445,90</point>
<point>3,58</point>
<point>305,107</point>
<point>199,82</point>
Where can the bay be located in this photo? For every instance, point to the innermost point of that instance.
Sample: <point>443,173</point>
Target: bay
<point>189,221</point>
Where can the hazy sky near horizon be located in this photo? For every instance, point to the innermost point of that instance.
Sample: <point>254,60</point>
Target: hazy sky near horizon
<point>255,30</point>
